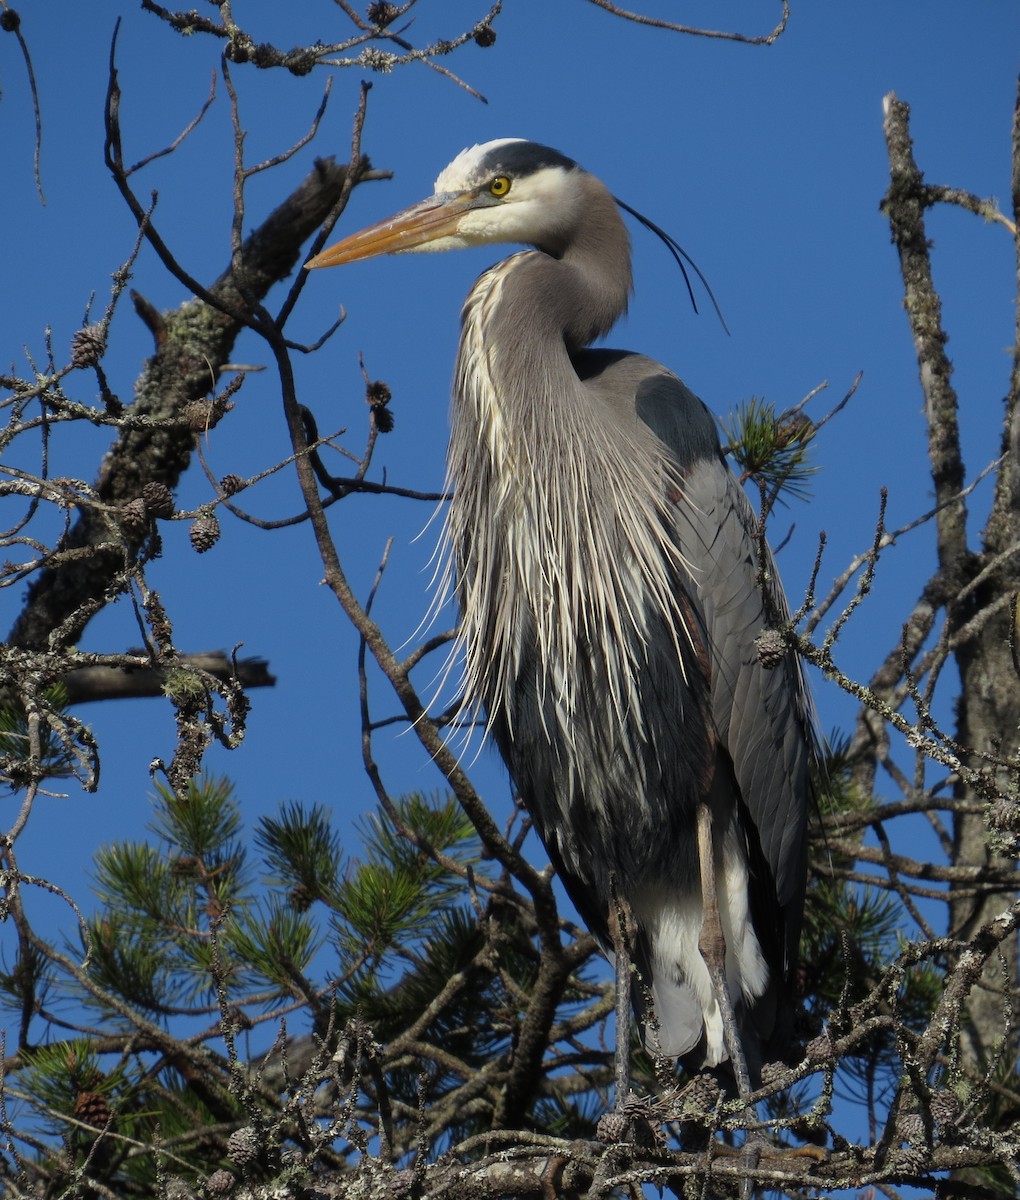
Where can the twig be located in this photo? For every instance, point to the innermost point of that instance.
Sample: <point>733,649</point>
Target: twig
<point>10,22</point>
<point>765,39</point>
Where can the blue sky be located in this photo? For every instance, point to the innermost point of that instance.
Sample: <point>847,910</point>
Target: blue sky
<point>767,163</point>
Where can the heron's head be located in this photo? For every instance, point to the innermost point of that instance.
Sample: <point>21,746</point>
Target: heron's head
<point>508,190</point>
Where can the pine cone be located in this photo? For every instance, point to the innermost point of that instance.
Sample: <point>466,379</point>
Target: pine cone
<point>613,1127</point>
<point>772,1073</point>
<point>381,13</point>
<point>92,1109</point>
<point>377,397</point>
<point>300,63</point>
<point>945,1107</point>
<point>914,1160</point>
<point>230,485</point>
<point>798,428</point>
<point>220,1183</point>
<point>378,392</point>
<point>702,1094</point>
<point>200,415</point>
<point>645,1133</point>
<point>243,1146</point>
<point>1005,815</point>
<point>485,37</point>
<point>134,517</point>
<point>204,533</point>
<point>819,1048</point>
<point>159,500</point>
<point>770,647</point>
<point>384,419</point>
<point>88,346</point>
<point>911,1128</point>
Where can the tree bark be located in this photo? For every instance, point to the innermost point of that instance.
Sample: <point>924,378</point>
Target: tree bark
<point>193,345</point>
<point>988,708</point>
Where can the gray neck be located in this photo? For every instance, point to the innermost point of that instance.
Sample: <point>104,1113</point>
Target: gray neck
<point>580,289</point>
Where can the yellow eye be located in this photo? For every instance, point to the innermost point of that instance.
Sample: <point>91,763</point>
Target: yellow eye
<point>499,186</point>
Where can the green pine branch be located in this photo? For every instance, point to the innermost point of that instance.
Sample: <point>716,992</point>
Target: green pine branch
<point>771,449</point>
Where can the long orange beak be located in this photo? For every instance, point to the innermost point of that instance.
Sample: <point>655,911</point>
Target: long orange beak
<point>413,229</point>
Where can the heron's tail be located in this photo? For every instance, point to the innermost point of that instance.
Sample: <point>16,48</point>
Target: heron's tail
<point>674,997</point>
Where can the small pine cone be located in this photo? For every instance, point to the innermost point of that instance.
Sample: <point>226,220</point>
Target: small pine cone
<point>230,485</point>
<point>945,1107</point>
<point>911,1129</point>
<point>243,1145</point>
<point>200,415</point>
<point>383,418</point>
<point>220,1183</point>
<point>381,13</point>
<point>134,517</point>
<point>238,49</point>
<point>819,1048</point>
<point>92,1109</point>
<point>798,428</point>
<point>300,62</point>
<point>159,500</point>
<point>702,1094</point>
<point>301,897</point>
<point>912,1160</point>
<point>265,55</point>
<point>646,1115</point>
<point>635,1105</point>
<point>485,37</point>
<point>772,1073</point>
<point>378,392</point>
<point>377,396</point>
<point>9,20</point>
<point>1005,816</point>
<point>771,648</point>
<point>88,346</point>
<point>185,865</point>
<point>204,533</point>
<point>613,1127</point>
<point>645,1133</point>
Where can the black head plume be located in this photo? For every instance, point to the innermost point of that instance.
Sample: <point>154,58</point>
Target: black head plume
<point>681,256</point>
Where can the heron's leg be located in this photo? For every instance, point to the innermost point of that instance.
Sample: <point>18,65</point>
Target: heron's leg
<point>620,925</point>
<point>712,944</point>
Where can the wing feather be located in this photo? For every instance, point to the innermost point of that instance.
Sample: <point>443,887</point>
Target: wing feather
<point>763,716</point>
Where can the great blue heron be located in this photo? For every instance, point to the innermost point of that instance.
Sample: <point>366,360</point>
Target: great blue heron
<point>610,576</point>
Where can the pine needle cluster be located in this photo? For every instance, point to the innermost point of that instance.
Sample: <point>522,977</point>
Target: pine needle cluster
<point>771,449</point>
<point>232,981</point>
